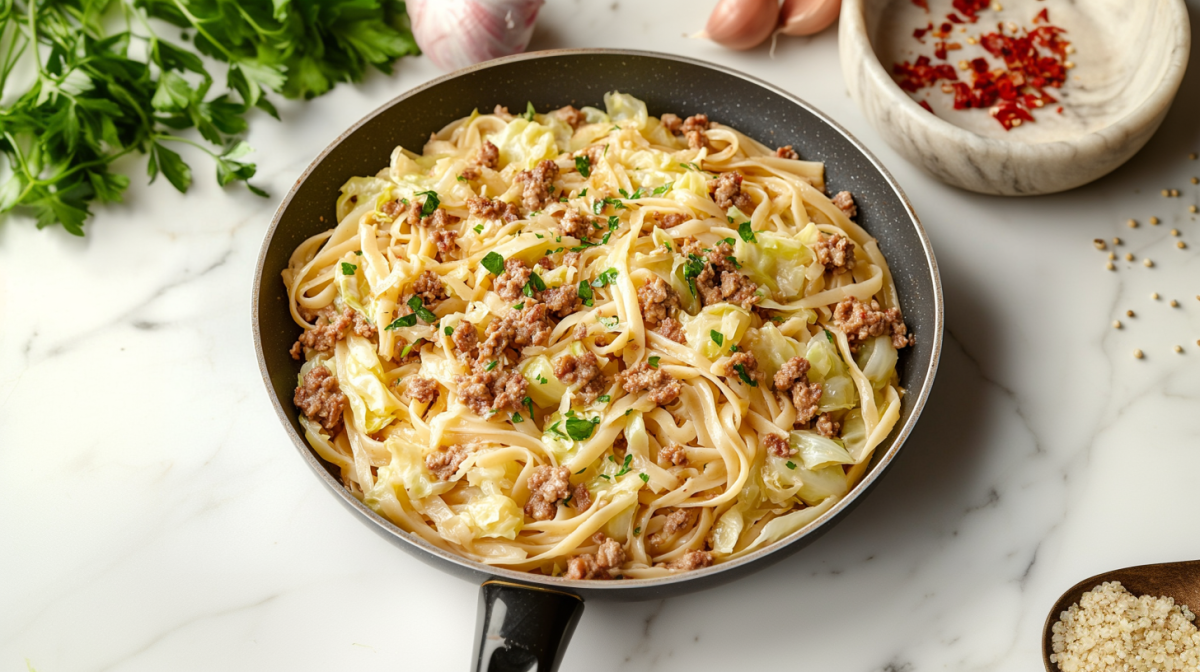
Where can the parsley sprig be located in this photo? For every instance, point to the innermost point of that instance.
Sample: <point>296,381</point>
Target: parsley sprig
<point>106,82</point>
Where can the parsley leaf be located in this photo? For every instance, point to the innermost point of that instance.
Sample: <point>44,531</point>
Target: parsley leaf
<point>584,165</point>
<point>519,306</point>
<point>449,331</point>
<point>654,361</point>
<point>645,478</point>
<point>606,278</point>
<point>746,232</point>
<point>478,228</point>
<point>791,465</point>
<point>517,419</point>
<point>660,190</point>
<point>431,202</point>
<point>637,530</point>
<point>529,111</point>
<point>614,222</point>
<point>556,431</point>
<point>625,465</point>
<point>580,429</point>
<point>491,365</point>
<point>409,320</point>
<point>348,268</point>
<point>828,335</point>
<point>494,263</point>
<point>419,309</point>
<point>741,371</point>
<point>610,322</point>
<point>585,293</point>
<point>604,398</point>
<point>528,403</point>
<point>717,337</point>
<point>583,193</point>
<point>692,269</point>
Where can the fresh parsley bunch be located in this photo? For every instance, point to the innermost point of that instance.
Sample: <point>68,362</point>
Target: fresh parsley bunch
<point>105,83</point>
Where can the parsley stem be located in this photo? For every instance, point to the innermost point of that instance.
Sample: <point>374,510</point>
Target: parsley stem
<point>200,29</point>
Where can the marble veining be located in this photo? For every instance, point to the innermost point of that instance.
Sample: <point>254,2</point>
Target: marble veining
<point>157,518</point>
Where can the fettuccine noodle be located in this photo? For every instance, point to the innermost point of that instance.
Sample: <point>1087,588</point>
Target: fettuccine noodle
<point>594,343</point>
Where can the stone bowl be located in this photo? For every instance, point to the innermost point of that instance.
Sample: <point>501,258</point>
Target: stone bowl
<point>1129,62</point>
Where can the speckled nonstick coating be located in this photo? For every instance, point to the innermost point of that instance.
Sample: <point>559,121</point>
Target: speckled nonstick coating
<point>552,79</point>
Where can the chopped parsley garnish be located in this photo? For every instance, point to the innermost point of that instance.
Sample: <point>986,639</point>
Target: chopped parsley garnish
<point>519,306</point>
<point>517,419</point>
<point>604,398</point>
<point>583,193</point>
<point>556,431</point>
<point>407,349</point>
<point>733,260</point>
<point>460,178</point>
<point>478,228</point>
<point>542,380</point>
<point>645,478</point>
<point>494,263</point>
<point>614,222</point>
<point>539,236</point>
<point>431,202</point>
<point>610,322</point>
<point>637,530</point>
<point>348,268</point>
<point>585,293</point>
<point>449,331</point>
<point>604,240</point>
<point>691,166</point>
<point>606,278</point>
<point>580,429</point>
<point>528,403</point>
<point>731,241</point>
<point>596,225</point>
<point>746,232</point>
<point>584,165</point>
<point>692,268</point>
<point>625,465</point>
<point>491,365</point>
<point>628,411</point>
<point>741,371</point>
<point>660,190</point>
<point>668,246</point>
<point>733,348</point>
<point>567,500</point>
<point>606,477</point>
<point>637,193</point>
<point>358,253</point>
<point>614,128</point>
<point>529,111</point>
<point>654,361</point>
<point>717,337</point>
<point>605,151</point>
<point>791,465</point>
<point>581,471</point>
<point>828,335</point>
<point>409,320</point>
<point>419,309</point>
<point>598,206</point>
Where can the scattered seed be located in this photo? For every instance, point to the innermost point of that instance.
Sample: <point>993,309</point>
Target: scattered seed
<point>1174,232</point>
<point>1181,245</point>
<point>1110,266</point>
<point>1192,209</point>
<point>1174,193</point>
<point>1179,348</point>
<point>1016,122</point>
<point>1112,255</point>
<point>1116,324</point>
<point>1138,354</point>
<point>997,7</point>
<point>1128,256</point>
<point>1147,263</point>
<point>1154,296</point>
<point>1154,221</point>
<point>1192,156</point>
<point>1129,313</point>
<point>1174,303</point>
<point>1099,243</point>
<point>1166,192</point>
<point>1068,65</point>
<point>970,40</point>
<point>1132,224</point>
<point>1196,180</point>
<point>1116,241</point>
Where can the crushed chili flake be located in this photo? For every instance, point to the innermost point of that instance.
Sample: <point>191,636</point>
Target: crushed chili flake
<point>1010,92</point>
<point>923,4</point>
<point>925,104</point>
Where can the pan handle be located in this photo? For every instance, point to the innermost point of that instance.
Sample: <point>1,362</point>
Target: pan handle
<point>523,628</point>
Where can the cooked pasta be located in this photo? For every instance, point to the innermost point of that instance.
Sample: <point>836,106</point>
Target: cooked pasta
<point>594,343</point>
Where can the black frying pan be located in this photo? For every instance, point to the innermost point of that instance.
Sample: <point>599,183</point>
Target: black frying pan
<point>525,620</point>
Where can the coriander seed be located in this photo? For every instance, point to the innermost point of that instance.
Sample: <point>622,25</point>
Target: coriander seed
<point>1129,313</point>
<point>1147,263</point>
<point>1138,354</point>
<point>1128,256</point>
<point>1154,296</point>
<point>1179,348</point>
<point>1154,221</point>
<point>1132,224</point>
<point>1116,324</point>
<point>1174,303</point>
<point>1099,243</point>
<point>1174,232</point>
<point>1181,245</point>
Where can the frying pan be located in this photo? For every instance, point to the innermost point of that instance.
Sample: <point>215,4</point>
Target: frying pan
<point>526,620</point>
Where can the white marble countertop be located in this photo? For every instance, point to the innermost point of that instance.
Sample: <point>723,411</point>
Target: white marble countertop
<point>156,517</point>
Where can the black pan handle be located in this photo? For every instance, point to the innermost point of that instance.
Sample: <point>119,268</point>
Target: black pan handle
<point>523,628</point>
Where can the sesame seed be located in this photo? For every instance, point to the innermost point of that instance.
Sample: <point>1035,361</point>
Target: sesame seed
<point>1116,324</point>
<point>1154,296</point>
<point>1174,303</point>
<point>1116,241</point>
<point>1070,49</point>
<point>1068,65</point>
<point>1147,263</point>
<point>1174,232</point>
<point>1132,224</point>
<point>1110,266</point>
<point>1181,245</point>
<point>1129,313</point>
<point>1128,256</point>
<point>1016,122</point>
<point>1154,221</point>
<point>1138,354</point>
<point>1179,348</point>
<point>997,7</point>
<point>970,40</point>
<point>963,65</point>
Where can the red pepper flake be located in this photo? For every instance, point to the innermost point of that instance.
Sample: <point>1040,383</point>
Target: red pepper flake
<point>919,33</point>
<point>916,76</point>
<point>1042,16</point>
<point>939,50</point>
<point>923,4</point>
<point>953,18</point>
<point>1059,110</point>
<point>971,8</point>
<point>928,109</point>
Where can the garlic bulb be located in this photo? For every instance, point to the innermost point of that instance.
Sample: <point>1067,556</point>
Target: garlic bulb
<point>741,24</point>
<point>807,17</point>
<point>458,33</point>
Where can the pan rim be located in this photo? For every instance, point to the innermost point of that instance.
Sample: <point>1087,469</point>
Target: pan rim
<point>813,527</point>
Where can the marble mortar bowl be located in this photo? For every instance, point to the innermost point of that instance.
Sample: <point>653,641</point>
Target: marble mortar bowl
<point>1129,62</point>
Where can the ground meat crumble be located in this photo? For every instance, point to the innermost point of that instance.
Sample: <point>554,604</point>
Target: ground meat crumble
<point>677,519</point>
<point>672,123</point>
<point>319,398</point>
<point>787,152</point>
<point>444,462</point>
<point>510,283</point>
<point>575,225</point>
<point>835,253</point>
<point>778,445</point>
<point>581,498</point>
<point>537,185</point>
<point>827,427</point>
<point>844,200</point>
<point>748,364</point>
<point>720,281</point>
<point>330,327</point>
<point>562,301</point>
<point>487,208</point>
<point>662,387</point>
<point>547,485</point>
<point>805,396</point>
<point>466,341</point>
<point>672,455</point>
<point>726,192</point>
<point>572,115</point>
<point>690,560</point>
<point>861,322</point>
<point>694,129</point>
<point>656,299</point>
<point>583,371</point>
<point>586,566</point>
<point>429,287</point>
<point>518,328</point>
<point>422,389</point>
<point>671,328</point>
<point>669,220</point>
<point>495,390</point>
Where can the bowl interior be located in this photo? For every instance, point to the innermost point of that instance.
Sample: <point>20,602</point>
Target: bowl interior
<point>551,80</point>
<point>1123,52</point>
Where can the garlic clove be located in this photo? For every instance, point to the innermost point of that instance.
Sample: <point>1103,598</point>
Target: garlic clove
<point>808,17</point>
<point>458,33</point>
<point>742,24</point>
